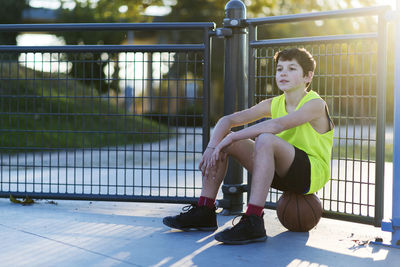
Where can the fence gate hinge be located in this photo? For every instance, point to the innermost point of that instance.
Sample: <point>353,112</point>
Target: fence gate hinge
<point>223,32</point>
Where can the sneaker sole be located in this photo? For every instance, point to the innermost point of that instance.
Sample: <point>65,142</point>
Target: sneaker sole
<point>241,242</point>
<point>186,229</point>
<point>203,229</point>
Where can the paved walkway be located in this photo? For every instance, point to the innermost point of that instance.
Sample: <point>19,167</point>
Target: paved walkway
<point>83,233</point>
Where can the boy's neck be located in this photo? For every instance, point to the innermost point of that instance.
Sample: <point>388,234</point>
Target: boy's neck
<point>292,98</point>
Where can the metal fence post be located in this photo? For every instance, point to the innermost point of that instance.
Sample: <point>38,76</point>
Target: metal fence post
<point>394,225</point>
<point>396,144</point>
<point>234,96</point>
<point>381,118</point>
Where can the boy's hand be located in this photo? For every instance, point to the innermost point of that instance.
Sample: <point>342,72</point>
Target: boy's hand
<point>211,170</point>
<point>207,169</point>
<point>218,153</point>
<point>206,160</point>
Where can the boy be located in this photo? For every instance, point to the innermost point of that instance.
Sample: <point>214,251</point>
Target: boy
<point>291,151</point>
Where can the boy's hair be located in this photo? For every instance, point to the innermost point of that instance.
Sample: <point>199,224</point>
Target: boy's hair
<point>302,56</point>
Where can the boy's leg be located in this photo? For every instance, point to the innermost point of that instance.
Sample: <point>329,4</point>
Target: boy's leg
<point>203,217</point>
<point>271,154</point>
<point>243,151</point>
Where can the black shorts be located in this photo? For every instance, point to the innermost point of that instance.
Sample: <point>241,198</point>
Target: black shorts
<point>298,178</point>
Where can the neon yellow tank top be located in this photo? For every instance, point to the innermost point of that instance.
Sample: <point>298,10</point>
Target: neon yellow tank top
<point>317,146</point>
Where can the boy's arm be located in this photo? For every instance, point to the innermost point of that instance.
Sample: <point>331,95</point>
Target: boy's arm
<point>226,123</point>
<point>309,111</point>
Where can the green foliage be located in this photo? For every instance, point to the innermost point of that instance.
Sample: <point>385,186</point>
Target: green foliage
<point>45,110</point>
<point>357,152</point>
<point>102,11</point>
<point>202,11</point>
<point>213,10</point>
<point>11,13</point>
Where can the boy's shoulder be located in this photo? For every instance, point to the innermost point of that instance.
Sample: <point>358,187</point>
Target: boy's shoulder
<point>309,96</point>
<point>316,99</point>
<point>313,94</point>
<point>311,102</point>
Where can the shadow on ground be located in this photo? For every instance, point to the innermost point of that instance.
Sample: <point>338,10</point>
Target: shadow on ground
<point>79,233</point>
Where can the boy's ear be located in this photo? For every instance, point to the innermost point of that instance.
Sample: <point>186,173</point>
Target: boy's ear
<point>308,77</point>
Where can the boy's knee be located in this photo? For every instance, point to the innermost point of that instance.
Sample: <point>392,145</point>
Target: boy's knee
<point>265,140</point>
<point>237,148</point>
<point>233,148</point>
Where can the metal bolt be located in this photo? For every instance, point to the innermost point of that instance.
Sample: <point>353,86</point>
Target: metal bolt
<point>232,189</point>
<point>234,22</point>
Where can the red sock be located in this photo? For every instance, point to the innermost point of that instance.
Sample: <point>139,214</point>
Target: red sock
<point>205,201</point>
<point>253,209</point>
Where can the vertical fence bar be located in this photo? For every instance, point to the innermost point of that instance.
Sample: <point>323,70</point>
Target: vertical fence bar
<point>234,86</point>
<point>251,66</point>
<point>206,88</point>
<point>380,123</point>
<point>396,136</point>
<point>251,81</point>
<point>394,225</point>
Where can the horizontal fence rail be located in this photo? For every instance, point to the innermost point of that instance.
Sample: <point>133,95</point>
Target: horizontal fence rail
<point>333,14</point>
<point>104,122</point>
<point>313,39</point>
<point>350,78</point>
<point>101,48</point>
<point>106,26</point>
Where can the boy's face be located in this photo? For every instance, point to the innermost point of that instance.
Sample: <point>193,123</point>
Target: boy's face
<point>289,76</point>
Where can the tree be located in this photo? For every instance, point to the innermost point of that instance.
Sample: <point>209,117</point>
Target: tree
<point>196,11</point>
<point>102,11</point>
<point>213,10</point>
<point>11,13</point>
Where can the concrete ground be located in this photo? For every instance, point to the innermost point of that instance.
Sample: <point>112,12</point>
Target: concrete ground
<point>83,233</point>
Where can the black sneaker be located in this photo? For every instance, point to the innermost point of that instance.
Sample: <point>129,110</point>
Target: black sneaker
<point>194,217</point>
<point>249,229</point>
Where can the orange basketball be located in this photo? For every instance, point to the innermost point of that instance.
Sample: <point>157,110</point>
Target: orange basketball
<point>297,212</point>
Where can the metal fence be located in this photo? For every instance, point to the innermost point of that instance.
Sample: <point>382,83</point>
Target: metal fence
<point>130,123</point>
<point>105,122</point>
<point>350,77</point>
